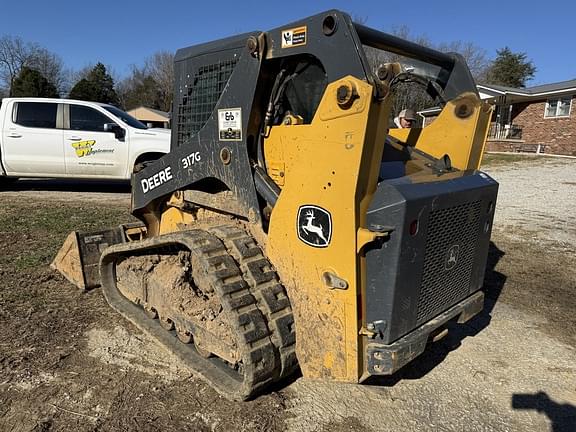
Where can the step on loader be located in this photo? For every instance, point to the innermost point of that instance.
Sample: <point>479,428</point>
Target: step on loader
<point>290,226</point>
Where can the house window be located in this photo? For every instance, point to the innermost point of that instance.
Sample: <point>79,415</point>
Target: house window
<point>558,107</point>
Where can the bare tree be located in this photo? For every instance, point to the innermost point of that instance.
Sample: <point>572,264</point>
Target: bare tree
<point>160,66</point>
<point>15,54</point>
<point>409,95</point>
<point>150,85</point>
<point>360,19</point>
<point>476,57</point>
<point>50,66</point>
<point>405,95</point>
<point>139,89</point>
<point>376,57</point>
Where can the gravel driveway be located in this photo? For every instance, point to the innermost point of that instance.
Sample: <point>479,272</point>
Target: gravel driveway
<point>539,196</point>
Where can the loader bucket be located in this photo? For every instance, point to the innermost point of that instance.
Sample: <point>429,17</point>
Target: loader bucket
<point>79,257</point>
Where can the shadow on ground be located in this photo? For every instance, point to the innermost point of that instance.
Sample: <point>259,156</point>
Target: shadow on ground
<point>562,416</point>
<point>494,282</point>
<point>62,185</point>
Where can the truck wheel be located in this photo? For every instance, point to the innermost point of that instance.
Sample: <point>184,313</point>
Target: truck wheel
<point>145,160</point>
<point>139,166</point>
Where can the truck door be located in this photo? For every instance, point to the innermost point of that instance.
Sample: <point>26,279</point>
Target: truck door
<point>32,139</point>
<point>90,151</point>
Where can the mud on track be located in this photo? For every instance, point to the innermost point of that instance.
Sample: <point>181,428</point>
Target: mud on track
<point>68,362</point>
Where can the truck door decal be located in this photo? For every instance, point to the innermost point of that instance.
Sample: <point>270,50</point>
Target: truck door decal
<point>85,148</point>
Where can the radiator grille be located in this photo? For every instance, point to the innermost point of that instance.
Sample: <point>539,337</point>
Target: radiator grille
<point>201,93</point>
<point>449,257</point>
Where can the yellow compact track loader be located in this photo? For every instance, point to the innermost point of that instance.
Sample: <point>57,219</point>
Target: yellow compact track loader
<point>289,226</point>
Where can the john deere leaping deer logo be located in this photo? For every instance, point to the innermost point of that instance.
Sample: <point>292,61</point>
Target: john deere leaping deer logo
<point>451,257</point>
<point>314,226</point>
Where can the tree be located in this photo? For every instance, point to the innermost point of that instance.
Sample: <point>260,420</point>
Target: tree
<point>151,85</point>
<point>161,69</point>
<point>30,82</point>
<point>98,86</point>
<point>510,69</point>
<point>410,95</point>
<point>476,57</point>
<point>84,90</point>
<point>139,89</point>
<point>15,54</point>
<point>50,66</point>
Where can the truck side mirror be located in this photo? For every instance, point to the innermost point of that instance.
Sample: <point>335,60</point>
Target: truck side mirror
<point>118,131</point>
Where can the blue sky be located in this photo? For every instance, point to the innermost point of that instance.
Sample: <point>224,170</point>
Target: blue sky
<point>120,33</point>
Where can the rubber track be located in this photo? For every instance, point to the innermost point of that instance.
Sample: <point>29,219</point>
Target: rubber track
<point>259,359</point>
<point>266,287</point>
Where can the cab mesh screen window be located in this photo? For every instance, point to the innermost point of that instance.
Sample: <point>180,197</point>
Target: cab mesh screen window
<point>200,97</point>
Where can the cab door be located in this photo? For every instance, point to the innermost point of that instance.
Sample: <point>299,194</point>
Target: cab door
<point>90,150</point>
<point>32,139</point>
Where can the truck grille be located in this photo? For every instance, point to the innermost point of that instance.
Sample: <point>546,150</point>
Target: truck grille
<point>449,258</point>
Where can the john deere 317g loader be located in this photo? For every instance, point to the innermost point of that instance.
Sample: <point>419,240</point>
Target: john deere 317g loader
<point>288,225</point>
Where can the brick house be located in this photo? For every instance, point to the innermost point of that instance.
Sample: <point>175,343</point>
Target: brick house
<point>538,119</point>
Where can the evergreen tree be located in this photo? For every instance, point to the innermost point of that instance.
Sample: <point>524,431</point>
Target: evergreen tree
<point>30,82</point>
<point>98,86</point>
<point>83,90</point>
<point>510,69</point>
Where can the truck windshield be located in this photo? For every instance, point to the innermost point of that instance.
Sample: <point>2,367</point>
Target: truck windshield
<point>125,117</point>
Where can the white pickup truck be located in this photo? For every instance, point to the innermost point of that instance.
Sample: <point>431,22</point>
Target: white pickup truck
<point>74,139</point>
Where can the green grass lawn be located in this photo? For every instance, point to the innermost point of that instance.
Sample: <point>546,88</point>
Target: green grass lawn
<point>31,233</point>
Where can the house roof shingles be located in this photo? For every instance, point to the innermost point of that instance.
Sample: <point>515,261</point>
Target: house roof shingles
<point>540,90</point>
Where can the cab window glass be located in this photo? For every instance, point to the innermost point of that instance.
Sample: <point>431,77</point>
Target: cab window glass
<point>87,119</point>
<point>36,114</point>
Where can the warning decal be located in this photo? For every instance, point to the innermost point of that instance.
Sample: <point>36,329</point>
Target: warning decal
<point>230,124</point>
<point>294,37</point>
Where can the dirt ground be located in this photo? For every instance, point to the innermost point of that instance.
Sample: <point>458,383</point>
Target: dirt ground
<point>69,363</point>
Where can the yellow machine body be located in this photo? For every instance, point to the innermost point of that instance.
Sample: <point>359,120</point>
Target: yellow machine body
<point>334,162</point>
